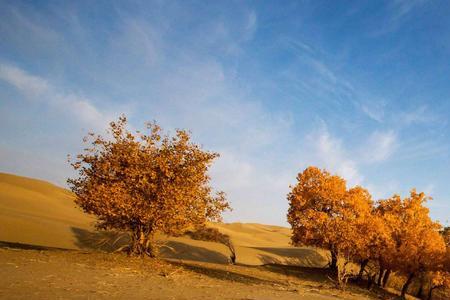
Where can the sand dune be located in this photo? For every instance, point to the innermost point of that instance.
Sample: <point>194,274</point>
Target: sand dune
<point>39,213</point>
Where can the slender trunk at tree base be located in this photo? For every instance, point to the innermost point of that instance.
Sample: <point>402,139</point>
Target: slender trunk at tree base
<point>380,276</point>
<point>386,277</point>
<point>406,285</point>
<point>430,293</point>
<point>420,291</point>
<point>361,270</point>
<point>233,258</point>
<point>232,252</point>
<point>333,263</point>
<point>370,280</point>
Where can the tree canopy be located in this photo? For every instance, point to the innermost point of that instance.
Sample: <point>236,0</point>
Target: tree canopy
<point>145,182</point>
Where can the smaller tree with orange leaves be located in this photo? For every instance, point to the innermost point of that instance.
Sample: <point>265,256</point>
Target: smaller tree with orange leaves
<point>323,213</point>
<point>419,247</point>
<point>145,183</point>
<point>314,205</point>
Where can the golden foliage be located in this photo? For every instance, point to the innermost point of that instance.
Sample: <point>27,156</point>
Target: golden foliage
<point>397,234</point>
<point>323,213</point>
<point>418,245</point>
<point>145,182</point>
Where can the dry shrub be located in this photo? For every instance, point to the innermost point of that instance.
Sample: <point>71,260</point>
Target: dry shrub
<point>214,235</point>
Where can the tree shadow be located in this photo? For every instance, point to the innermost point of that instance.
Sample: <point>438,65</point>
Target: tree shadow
<point>108,241</point>
<point>178,250</point>
<point>222,274</point>
<point>303,257</point>
<point>13,245</point>
<point>317,275</point>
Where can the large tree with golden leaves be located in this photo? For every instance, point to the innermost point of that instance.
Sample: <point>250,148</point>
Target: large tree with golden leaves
<point>145,183</point>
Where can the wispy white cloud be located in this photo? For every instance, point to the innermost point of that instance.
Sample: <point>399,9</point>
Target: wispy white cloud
<point>401,8</point>
<point>330,153</point>
<point>380,146</point>
<point>23,27</point>
<point>137,39</point>
<point>399,11</point>
<point>312,74</point>
<point>38,89</point>
<point>374,109</point>
<point>30,85</point>
<point>251,26</point>
<point>421,114</point>
<point>421,148</point>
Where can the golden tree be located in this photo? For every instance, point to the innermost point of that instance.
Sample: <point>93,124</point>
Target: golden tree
<point>323,213</point>
<point>418,245</point>
<point>145,183</point>
<point>349,231</point>
<point>313,204</point>
<point>373,243</point>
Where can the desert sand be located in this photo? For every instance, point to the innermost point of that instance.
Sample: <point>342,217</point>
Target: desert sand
<point>39,213</point>
<point>49,248</point>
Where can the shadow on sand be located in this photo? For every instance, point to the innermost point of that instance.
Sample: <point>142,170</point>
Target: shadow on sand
<point>319,275</point>
<point>108,241</point>
<point>13,245</point>
<point>303,257</point>
<point>178,250</point>
<point>223,274</point>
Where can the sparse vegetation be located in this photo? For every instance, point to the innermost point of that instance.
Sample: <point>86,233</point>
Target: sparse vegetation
<point>214,235</point>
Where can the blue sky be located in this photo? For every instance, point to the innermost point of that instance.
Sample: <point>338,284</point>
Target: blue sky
<point>360,88</point>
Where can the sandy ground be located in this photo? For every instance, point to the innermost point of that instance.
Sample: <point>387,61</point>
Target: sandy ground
<point>53,274</point>
<point>35,212</point>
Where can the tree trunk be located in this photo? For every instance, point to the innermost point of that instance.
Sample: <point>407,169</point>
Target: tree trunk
<point>232,252</point>
<point>142,243</point>
<point>386,277</point>
<point>334,260</point>
<point>370,280</point>
<point>380,276</point>
<point>406,285</point>
<point>362,267</point>
<point>419,292</point>
<point>430,293</point>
